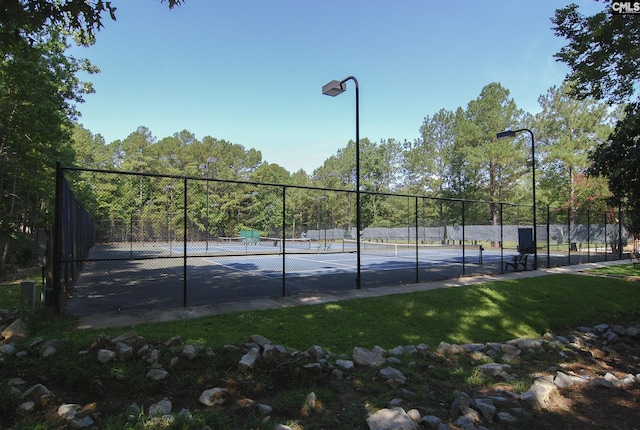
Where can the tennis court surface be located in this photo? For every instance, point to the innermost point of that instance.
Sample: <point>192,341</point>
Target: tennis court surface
<point>119,277</point>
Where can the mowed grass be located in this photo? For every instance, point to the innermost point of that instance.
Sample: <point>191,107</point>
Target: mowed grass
<point>490,312</point>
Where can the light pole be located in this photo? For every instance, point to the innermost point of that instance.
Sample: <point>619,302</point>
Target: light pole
<point>332,89</point>
<point>511,133</point>
<point>206,168</point>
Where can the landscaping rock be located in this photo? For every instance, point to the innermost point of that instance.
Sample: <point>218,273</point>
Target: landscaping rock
<point>391,419</point>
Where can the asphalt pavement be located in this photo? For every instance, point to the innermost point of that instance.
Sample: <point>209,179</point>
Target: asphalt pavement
<point>129,319</point>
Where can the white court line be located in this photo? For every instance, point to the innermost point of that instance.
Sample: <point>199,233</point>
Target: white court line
<point>334,262</point>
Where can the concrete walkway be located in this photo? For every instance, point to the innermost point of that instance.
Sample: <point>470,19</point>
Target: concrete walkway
<point>163,315</point>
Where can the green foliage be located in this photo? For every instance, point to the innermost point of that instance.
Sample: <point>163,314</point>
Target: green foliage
<point>617,160</point>
<point>602,52</point>
<point>568,130</point>
<point>21,19</point>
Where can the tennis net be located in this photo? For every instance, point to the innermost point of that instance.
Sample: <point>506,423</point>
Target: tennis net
<point>409,250</point>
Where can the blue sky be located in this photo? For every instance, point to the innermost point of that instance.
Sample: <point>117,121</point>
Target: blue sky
<point>251,71</point>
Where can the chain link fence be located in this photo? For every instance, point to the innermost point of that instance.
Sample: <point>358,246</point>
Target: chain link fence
<point>134,241</point>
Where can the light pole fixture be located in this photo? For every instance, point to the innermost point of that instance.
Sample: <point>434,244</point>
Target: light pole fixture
<point>206,167</point>
<point>332,89</point>
<point>511,133</point>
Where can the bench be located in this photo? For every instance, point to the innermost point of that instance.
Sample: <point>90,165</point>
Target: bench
<point>635,258</point>
<point>516,261</point>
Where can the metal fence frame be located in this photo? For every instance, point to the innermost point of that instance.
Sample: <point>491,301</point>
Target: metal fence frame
<point>75,233</point>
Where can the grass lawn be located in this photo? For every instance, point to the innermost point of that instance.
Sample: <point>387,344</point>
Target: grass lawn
<point>494,311</point>
<point>490,312</point>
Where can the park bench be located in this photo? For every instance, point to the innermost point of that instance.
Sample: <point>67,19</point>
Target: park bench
<point>517,260</point>
<point>635,258</point>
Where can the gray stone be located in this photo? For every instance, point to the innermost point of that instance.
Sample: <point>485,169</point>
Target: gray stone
<point>133,411</point>
<point>461,405</point>
<point>391,373</point>
<point>161,408</point>
<point>430,422</point>
<point>465,422</point>
<point>248,360</point>
<point>601,328</point>
<point>445,348</point>
<point>156,374</point>
<point>542,390</point>
<point>213,396</point>
<point>395,402</point>
<point>82,423</point>
<point>15,330</point>
<point>472,347</point>
<point>600,382</point>
<point>364,357</point>
<point>391,419</point>
<point>273,351</point>
<point>105,355</point>
<point>68,411</point>
<point>613,379</point>
<point>618,329</point>
<point>398,350</point>
<point>632,331</point>
<point>486,408</point>
<point>506,419</point>
<point>562,380</point>
<point>337,374</point>
<point>128,338</point>
<point>611,337</point>
<point>315,368</point>
<point>345,364</point>
<point>35,392</point>
<point>264,410</point>
<point>174,341</point>
<point>7,350</point>
<point>414,414</point>
<point>316,352</point>
<point>124,351</point>
<point>154,356</point>
<point>261,341</point>
<point>525,343</point>
<point>189,351</point>
<point>27,406</point>
<point>627,380</point>
<point>422,350</point>
<point>494,369</point>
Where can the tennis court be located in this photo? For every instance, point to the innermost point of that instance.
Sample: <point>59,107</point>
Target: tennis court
<point>120,277</point>
<point>190,241</point>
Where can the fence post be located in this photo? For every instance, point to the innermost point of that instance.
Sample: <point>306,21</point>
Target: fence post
<point>464,262</point>
<point>569,235</point>
<point>184,246</point>
<point>620,231</point>
<point>606,238</point>
<point>52,295</point>
<point>588,236</point>
<point>284,240</point>
<point>548,237</point>
<point>417,241</point>
<point>501,238</point>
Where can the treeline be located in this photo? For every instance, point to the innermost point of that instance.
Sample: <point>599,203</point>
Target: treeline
<point>456,156</point>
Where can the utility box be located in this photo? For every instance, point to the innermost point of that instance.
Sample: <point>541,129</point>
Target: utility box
<point>28,294</point>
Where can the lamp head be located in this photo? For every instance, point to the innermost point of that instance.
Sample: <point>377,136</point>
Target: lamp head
<point>333,88</point>
<point>505,134</point>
